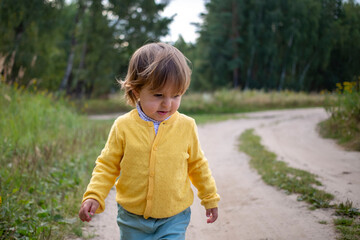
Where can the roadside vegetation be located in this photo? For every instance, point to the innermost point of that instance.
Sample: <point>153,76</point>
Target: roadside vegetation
<point>295,181</point>
<point>47,154</point>
<point>344,109</point>
<point>221,101</point>
<point>348,221</point>
<point>279,174</point>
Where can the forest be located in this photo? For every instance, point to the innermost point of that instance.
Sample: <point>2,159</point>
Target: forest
<point>81,47</point>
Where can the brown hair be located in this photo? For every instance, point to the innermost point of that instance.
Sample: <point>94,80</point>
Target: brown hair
<point>155,65</point>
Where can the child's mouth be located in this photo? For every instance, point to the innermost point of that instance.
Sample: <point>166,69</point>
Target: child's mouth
<point>162,112</point>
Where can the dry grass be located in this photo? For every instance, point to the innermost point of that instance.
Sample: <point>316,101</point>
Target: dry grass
<point>222,101</point>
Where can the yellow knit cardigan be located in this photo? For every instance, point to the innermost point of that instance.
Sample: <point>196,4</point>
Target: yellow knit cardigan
<point>154,172</point>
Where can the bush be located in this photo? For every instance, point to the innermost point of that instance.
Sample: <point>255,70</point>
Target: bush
<point>344,110</point>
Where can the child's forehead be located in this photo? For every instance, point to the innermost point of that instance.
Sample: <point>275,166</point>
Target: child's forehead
<point>168,88</point>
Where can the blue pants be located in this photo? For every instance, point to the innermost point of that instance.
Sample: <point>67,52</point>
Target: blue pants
<point>135,227</point>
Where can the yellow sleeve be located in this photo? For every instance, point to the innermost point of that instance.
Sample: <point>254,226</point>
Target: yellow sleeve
<point>200,173</point>
<point>107,168</point>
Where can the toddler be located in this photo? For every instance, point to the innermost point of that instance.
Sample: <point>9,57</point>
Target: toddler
<point>153,153</point>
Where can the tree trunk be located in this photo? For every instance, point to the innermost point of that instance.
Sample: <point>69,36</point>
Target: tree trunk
<point>293,71</point>
<point>80,79</point>
<point>303,74</point>
<point>283,71</point>
<point>65,80</point>
<point>70,63</point>
<point>10,61</point>
<point>235,36</point>
<point>249,70</point>
<point>282,78</point>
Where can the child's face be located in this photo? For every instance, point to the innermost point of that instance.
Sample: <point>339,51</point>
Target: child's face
<point>160,104</point>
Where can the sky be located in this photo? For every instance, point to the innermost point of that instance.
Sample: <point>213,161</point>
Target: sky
<point>187,11</point>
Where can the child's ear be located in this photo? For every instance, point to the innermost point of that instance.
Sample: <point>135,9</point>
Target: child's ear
<point>136,93</point>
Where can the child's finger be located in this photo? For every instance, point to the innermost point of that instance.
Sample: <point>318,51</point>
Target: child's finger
<point>208,211</point>
<point>212,214</point>
<point>84,211</point>
<point>84,215</point>
<point>93,208</point>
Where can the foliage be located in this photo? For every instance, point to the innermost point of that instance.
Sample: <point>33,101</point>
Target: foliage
<point>279,174</point>
<point>291,44</point>
<point>27,39</point>
<point>344,110</point>
<point>138,22</point>
<point>78,46</point>
<point>42,176</point>
<point>92,44</point>
<point>81,46</point>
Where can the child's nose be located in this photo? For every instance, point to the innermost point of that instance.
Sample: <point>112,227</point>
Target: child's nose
<point>166,102</point>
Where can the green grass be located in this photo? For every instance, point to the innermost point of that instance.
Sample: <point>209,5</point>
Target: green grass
<point>294,181</point>
<point>347,210</point>
<point>279,174</point>
<point>348,221</point>
<point>48,152</point>
<point>349,228</point>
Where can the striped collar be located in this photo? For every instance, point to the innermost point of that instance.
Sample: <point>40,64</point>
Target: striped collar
<point>143,116</point>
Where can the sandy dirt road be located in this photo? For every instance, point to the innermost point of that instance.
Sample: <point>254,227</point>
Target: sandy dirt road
<point>249,209</point>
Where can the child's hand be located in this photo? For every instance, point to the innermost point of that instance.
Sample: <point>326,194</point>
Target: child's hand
<point>87,210</point>
<point>212,214</point>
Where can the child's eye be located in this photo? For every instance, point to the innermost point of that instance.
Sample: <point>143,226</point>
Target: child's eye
<point>158,95</point>
<point>176,96</point>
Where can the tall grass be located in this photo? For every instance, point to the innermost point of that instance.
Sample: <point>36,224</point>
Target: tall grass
<point>344,108</point>
<point>47,153</point>
<point>221,101</point>
<point>235,101</point>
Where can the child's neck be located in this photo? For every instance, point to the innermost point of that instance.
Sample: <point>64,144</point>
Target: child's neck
<point>145,117</point>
